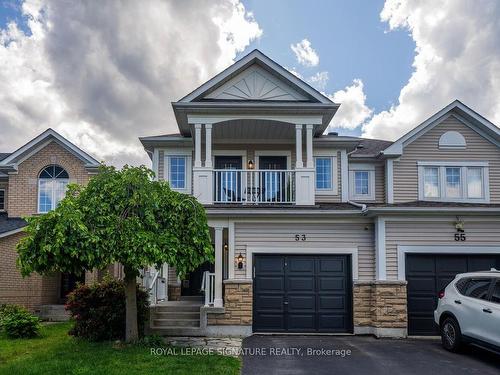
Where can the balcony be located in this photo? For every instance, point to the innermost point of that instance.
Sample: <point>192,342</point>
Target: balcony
<point>254,186</point>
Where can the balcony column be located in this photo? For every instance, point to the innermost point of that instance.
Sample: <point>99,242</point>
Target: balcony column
<point>298,145</point>
<point>309,146</point>
<point>208,145</point>
<point>197,145</point>
<point>218,267</point>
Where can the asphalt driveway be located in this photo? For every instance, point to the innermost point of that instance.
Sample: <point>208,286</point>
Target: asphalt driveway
<point>360,355</point>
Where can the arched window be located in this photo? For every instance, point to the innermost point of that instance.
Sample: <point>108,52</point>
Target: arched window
<point>452,139</point>
<point>52,182</point>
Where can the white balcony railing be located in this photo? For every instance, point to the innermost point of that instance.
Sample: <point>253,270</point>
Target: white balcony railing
<point>254,186</point>
<point>208,286</point>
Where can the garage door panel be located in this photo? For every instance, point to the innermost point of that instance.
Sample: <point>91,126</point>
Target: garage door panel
<point>312,293</point>
<point>331,302</point>
<point>301,302</point>
<point>300,283</point>
<point>332,265</point>
<point>424,283</point>
<point>270,284</point>
<point>300,265</point>
<point>270,302</point>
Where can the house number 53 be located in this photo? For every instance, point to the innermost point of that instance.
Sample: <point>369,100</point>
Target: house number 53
<point>300,237</point>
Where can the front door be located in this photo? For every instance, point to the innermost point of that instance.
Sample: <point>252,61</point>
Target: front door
<point>69,282</point>
<point>228,183</point>
<point>191,285</point>
<point>273,184</point>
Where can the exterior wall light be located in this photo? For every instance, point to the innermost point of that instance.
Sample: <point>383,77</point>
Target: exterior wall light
<point>251,164</point>
<point>239,260</point>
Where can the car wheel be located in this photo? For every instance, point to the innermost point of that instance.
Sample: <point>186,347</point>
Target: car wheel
<point>451,337</point>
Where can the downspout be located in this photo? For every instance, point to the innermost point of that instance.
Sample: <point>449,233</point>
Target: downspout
<point>364,208</point>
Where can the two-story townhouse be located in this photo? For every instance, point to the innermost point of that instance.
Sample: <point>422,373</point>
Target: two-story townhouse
<point>319,232</point>
<point>33,180</point>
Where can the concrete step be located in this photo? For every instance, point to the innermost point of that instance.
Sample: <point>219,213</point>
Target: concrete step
<point>176,315</point>
<point>176,323</point>
<point>53,313</point>
<point>177,308</point>
<point>199,299</point>
<point>176,331</point>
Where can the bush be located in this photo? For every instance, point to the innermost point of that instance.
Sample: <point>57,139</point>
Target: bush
<point>17,322</point>
<point>99,310</point>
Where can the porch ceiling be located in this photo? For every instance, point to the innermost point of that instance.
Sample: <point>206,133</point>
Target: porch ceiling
<point>253,130</point>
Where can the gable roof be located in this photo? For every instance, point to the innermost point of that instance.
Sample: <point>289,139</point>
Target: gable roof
<point>267,64</point>
<point>37,143</point>
<point>470,117</point>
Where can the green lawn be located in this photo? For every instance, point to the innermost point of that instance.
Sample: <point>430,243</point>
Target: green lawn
<point>57,353</point>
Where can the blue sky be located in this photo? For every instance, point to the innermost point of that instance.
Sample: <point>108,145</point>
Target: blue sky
<point>349,38</point>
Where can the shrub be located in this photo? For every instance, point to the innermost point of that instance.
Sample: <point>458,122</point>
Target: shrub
<point>99,310</point>
<point>17,322</point>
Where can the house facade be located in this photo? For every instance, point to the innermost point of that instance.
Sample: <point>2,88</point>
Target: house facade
<point>323,233</point>
<point>33,180</point>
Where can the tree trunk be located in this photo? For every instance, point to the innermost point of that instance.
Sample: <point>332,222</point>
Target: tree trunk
<point>131,330</point>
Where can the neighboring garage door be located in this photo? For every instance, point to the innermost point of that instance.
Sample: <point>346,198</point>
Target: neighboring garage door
<point>302,293</point>
<point>427,274</point>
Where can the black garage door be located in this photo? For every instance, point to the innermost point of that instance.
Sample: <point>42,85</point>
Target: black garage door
<point>427,275</point>
<point>302,293</point>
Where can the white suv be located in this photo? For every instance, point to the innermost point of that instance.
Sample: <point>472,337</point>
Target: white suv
<point>468,311</point>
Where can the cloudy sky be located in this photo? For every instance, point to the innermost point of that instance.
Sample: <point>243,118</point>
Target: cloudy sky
<point>105,75</point>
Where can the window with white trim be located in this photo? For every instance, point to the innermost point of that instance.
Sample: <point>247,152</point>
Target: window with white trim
<point>2,199</point>
<point>454,181</point>
<point>52,183</point>
<point>362,182</point>
<point>326,174</point>
<point>177,170</point>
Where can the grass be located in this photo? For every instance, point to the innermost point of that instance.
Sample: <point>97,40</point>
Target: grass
<point>57,353</point>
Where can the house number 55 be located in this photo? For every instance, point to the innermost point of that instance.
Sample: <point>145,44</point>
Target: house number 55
<point>300,237</point>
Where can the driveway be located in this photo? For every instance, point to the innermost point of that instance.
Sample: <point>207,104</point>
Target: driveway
<point>330,355</point>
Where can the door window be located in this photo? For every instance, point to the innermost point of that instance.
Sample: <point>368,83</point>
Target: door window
<point>495,296</point>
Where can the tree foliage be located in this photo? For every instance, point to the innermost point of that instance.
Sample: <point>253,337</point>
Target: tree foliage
<point>120,216</point>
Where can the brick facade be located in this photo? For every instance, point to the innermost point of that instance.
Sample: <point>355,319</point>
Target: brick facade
<point>237,304</point>
<point>380,304</point>
<point>30,292</point>
<point>23,186</point>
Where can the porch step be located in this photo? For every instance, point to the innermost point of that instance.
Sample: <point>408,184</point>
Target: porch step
<point>176,331</point>
<point>176,322</point>
<point>192,298</point>
<point>53,313</point>
<point>168,314</point>
<point>176,307</point>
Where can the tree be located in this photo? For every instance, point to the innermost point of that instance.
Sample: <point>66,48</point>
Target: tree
<point>121,216</point>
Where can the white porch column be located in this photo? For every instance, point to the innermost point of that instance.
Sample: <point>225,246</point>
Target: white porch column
<point>380,255</point>
<point>298,144</point>
<point>218,267</point>
<point>197,145</point>
<point>208,145</point>
<point>309,146</point>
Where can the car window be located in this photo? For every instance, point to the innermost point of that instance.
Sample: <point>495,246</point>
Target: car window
<point>475,288</point>
<point>495,296</point>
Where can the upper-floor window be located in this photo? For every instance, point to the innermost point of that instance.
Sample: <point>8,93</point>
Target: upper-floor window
<point>326,173</point>
<point>52,183</point>
<point>362,181</point>
<point>178,170</point>
<point>2,199</point>
<point>453,181</point>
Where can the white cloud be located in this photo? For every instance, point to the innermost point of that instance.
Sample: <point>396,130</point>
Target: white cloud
<point>319,80</point>
<point>353,110</point>
<point>304,53</point>
<point>294,72</point>
<point>104,78</point>
<point>457,57</point>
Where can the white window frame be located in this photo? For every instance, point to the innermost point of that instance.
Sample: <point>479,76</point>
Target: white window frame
<point>53,191</point>
<point>442,165</point>
<point>358,167</point>
<point>188,154</point>
<point>4,196</point>
<point>335,178</point>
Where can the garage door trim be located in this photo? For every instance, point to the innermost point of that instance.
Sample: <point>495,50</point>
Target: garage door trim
<point>437,249</point>
<point>352,251</point>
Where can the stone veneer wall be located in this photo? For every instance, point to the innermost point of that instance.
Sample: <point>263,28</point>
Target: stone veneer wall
<point>174,292</point>
<point>238,301</point>
<point>380,304</point>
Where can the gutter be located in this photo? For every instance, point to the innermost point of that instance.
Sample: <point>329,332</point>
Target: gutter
<point>362,206</point>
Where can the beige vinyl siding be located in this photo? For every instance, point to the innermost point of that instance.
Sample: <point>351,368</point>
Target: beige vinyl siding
<point>335,234</point>
<point>380,183</point>
<point>429,232</point>
<point>161,165</point>
<point>332,198</point>
<point>426,148</point>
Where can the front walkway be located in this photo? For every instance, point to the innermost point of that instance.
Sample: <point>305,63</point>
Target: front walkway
<point>328,355</point>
